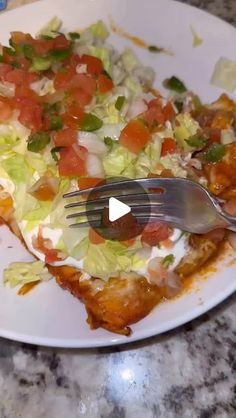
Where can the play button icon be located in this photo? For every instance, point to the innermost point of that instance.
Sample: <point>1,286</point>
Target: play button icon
<point>113,214</point>
<point>117,209</point>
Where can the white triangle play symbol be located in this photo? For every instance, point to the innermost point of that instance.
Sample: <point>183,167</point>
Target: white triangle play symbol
<point>117,209</point>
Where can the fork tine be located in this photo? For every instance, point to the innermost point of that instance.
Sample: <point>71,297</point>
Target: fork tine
<point>125,184</point>
<point>135,209</point>
<point>129,198</point>
<point>141,220</point>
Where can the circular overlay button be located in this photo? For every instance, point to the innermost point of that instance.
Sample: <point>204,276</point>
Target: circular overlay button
<point>119,212</point>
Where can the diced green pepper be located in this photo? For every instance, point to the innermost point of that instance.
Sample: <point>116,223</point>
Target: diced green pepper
<point>38,141</point>
<point>56,122</point>
<point>215,153</point>
<point>41,63</point>
<point>28,51</point>
<point>60,54</point>
<point>196,141</point>
<point>109,141</point>
<point>55,151</point>
<point>119,102</point>
<point>168,260</point>
<point>91,123</point>
<point>175,84</point>
<point>154,48</point>
<point>74,36</point>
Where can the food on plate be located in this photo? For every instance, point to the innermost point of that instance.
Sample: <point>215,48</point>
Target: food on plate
<point>74,112</point>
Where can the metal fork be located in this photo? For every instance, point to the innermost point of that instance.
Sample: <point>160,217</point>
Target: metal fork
<point>182,203</point>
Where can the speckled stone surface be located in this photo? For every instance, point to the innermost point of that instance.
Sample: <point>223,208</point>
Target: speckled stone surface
<point>187,373</point>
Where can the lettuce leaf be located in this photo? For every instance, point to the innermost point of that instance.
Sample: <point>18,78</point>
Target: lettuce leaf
<point>99,30</point>
<point>107,260</point>
<point>119,162</point>
<point>186,127</point>
<point>23,273</point>
<point>17,168</point>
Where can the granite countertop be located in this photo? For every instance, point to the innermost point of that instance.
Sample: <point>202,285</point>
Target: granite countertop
<point>186,373</point>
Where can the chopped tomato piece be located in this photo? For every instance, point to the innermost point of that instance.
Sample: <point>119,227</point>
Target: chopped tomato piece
<point>63,79</point>
<point>155,233</point>
<point>154,115</point>
<point>95,238</point>
<point>105,84</point>
<point>4,69</point>
<point>169,112</point>
<point>94,64</point>
<point>51,256</point>
<point>43,46</point>
<point>20,38</point>
<point>5,109</point>
<point>74,116</point>
<point>84,82</point>
<point>87,182</point>
<point>45,189</point>
<point>44,245</point>
<point>168,147</point>
<point>79,96</point>
<point>31,115</point>
<point>135,136</point>
<point>65,138</point>
<point>73,161</point>
<point>20,76</point>
<point>7,58</point>
<point>129,242</point>
<point>61,42</point>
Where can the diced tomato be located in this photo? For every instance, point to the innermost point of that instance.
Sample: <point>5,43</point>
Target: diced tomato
<point>135,136</point>
<point>20,76</point>
<point>51,256</point>
<point>168,147</point>
<point>44,245</point>
<point>87,182</point>
<point>45,189</point>
<point>168,112</point>
<point>230,206</point>
<point>73,161</point>
<point>94,237</point>
<point>4,69</point>
<point>105,84</point>
<point>5,109</point>
<point>79,96</point>
<point>20,38</point>
<point>23,93</point>
<point>61,42</point>
<point>65,138</point>
<point>63,79</point>
<point>154,115</point>
<point>7,58</point>
<point>155,233</point>
<point>83,82</point>
<point>73,61</point>
<point>43,46</point>
<point>94,64</point>
<point>31,115</point>
<point>74,116</point>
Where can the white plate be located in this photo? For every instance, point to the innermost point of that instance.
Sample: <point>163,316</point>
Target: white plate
<point>49,315</point>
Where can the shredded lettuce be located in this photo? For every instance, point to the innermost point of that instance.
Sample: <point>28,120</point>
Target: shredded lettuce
<point>173,162</point>
<point>17,168</point>
<point>23,273</point>
<point>107,260</point>
<point>197,40</point>
<point>119,161</point>
<point>104,56</point>
<point>224,75</point>
<point>50,28</point>
<point>186,127</point>
<point>99,30</point>
<point>129,60</point>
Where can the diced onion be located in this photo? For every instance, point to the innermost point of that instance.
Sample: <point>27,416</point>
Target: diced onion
<point>94,166</point>
<point>91,141</point>
<point>137,107</point>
